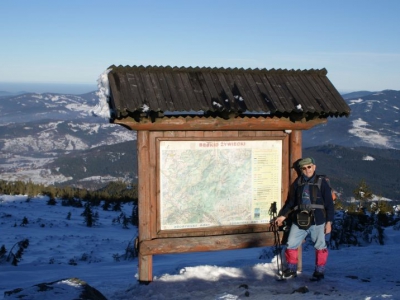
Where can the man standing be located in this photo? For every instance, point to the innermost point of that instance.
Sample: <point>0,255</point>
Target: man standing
<point>313,213</point>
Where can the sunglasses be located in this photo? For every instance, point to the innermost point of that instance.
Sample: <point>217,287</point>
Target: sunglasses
<point>305,168</point>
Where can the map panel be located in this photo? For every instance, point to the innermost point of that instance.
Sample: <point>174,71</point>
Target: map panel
<point>218,183</point>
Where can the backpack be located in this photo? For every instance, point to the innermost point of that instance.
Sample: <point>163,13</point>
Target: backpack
<point>317,184</point>
<point>305,211</point>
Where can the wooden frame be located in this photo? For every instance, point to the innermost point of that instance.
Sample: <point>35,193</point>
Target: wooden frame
<point>153,241</point>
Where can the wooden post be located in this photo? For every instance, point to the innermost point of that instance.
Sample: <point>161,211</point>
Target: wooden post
<point>295,144</point>
<point>295,152</point>
<point>145,261</point>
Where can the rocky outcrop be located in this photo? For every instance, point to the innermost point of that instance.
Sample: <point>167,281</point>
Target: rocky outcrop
<point>71,289</point>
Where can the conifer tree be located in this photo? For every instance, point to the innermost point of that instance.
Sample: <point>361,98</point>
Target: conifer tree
<point>24,221</point>
<point>16,257</point>
<point>117,206</point>
<point>125,221</point>
<point>135,216</point>
<point>3,252</point>
<point>88,215</point>
<point>363,194</point>
<point>51,201</point>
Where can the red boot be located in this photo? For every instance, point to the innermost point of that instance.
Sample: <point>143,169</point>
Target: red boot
<point>291,256</point>
<point>321,256</point>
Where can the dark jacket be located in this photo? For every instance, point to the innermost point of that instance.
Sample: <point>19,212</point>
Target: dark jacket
<point>324,197</point>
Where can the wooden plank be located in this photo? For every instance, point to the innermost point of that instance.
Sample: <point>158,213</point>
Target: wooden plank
<point>215,124</point>
<point>145,268</point>
<point>174,133</point>
<point>232,133</point>
<point>144,227</point>
<point>246,133</point>
<point>274,133</point>
<point>194,134</point>
<point>213,134</point>
<point>144,185</point>
<point>212,231</point>
<point>295,153</point>
<point>154,183</point>
<point>285,169</point>
<point>208,243</point>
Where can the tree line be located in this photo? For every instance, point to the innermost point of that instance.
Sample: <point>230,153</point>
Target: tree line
<point>114,191</point>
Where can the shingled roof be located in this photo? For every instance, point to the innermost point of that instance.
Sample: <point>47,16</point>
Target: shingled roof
<point>158,92</point>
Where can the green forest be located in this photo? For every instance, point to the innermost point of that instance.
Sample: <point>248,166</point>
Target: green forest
<point>113,192</point>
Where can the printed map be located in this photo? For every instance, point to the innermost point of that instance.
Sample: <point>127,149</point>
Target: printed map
<point>218,183</point>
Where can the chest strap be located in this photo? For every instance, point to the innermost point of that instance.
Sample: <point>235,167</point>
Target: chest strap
<point>308,206</point>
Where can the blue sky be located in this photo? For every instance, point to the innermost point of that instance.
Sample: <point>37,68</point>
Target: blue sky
<point>74,41</point>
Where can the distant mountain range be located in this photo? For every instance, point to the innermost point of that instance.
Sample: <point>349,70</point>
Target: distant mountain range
<point>374,122</point>
<point>37,130</point>
<point>54,138</point>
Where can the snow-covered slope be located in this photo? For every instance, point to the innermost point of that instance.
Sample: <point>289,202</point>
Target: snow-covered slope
<point>61,248</point>
<point>374,122</point>
<point>36,129</point>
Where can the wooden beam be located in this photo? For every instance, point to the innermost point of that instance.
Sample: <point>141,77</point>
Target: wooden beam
<point>145,261</point>
<point>202,123</point>
<point>296,154</point>
<point>208,243</point>
<point>295,150</point>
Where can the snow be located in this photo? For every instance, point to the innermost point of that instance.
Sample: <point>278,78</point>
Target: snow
<point>359,100</point>
<point>370,136</point>
<point>368,157</point>
<point>103,109</point>
<point>368,272</point>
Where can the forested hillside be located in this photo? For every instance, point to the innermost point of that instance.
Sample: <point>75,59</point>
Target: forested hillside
<point>346,167</point>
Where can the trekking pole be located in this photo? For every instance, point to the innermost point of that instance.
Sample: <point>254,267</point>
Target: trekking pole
<point>277,240</point>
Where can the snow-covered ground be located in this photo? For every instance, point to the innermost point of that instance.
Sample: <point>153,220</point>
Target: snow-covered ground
<point>61,248</point>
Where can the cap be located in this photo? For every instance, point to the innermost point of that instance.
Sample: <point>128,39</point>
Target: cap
<point>306,161</point>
